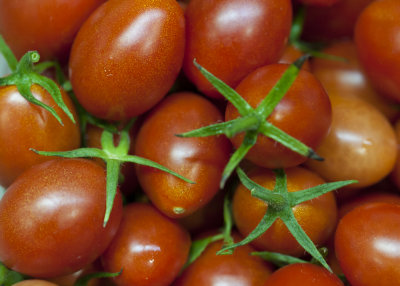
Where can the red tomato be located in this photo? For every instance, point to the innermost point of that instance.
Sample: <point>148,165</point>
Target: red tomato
<point>317,217</point>
<point>239,268</point>
<point>231,38</point>
<point>149,247</point>
<point>325,24</point>
<point>24,125</point>
<point>367,243</point>
<point>303,274</point>
<point>201,160</point>
<point>376,35</point>
<point>51,218</point>
<point>347,78</point>
<point>47,26</point>
<point>126,56</point>
<point>304,113</point>
<point>322,3</point>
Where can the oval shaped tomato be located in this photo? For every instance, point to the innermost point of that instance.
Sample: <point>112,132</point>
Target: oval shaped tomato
<point>149,247</point>
<point>376,34</point>
<point>231,38</point>
<point>304,113</point>
<point>201,160</point>
<point>341,78</point>
<point>126,56</point>
<point>361,144</point>
<point>51,218</point>
<point>367,243</point>
<point>238,268</point>
<point>303,274</point>
<point>317,217</point>
<point>47,26</point>
<point>24,125</point>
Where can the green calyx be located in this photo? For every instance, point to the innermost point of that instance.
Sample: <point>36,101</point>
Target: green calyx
<point>280,203</point>
<point>24,74</point>
<point>113,156</point>
<point>252,121</point>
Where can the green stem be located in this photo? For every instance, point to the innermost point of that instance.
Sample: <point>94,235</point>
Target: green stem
<point>8,55</point>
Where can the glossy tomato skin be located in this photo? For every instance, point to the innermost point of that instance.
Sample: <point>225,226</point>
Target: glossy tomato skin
<point>231,38</point>
<point>126,57</point>
<point>201,160</point>
<point>47,26</point>
<point>317,217</point>
<point>149,247</point>
<point>361,144</point>
<point>303,274</point>
<point>304,113</point>
<point>347,78</point>
<point>376,34</point>
<point>24,125</point>
<point>240,268</point>
<point>366,243</point>
<point>51,218</point>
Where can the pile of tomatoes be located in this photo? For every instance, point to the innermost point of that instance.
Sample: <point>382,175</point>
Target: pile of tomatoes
<point>187,127</point>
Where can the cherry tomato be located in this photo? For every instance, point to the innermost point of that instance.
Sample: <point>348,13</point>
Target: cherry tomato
<point>149,247</point>
<point>35,282</point>
<point>126,56</point>
<point>304,113</point>
<point>51,218</point>
<point>325,24</point>
<point>361,144</point>
<point>303,274</point>
<point>395,174</point>
<point>322,3</point>
<point>375,35</point>
<point>239,268</point>
<point>47,26</point>
<point>317,217</point>
<point>198,159</point>
<point>24,125</point>
<point>231,38</point>
<point>341,78</point>
<point>367,245</point>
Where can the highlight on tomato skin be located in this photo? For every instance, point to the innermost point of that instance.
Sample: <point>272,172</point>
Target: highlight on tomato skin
<point>245,35</point>
<point>213,270</point>
<point>48,26</point>
<point>368,254</point>
<point>360,145</point>
<point>200,159</point>
<point>304,113</point>
<point>375,32</point>
<point>149,247</point>
<point>24,126</point>
<point>51,218</point>
<point>113,40</point>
